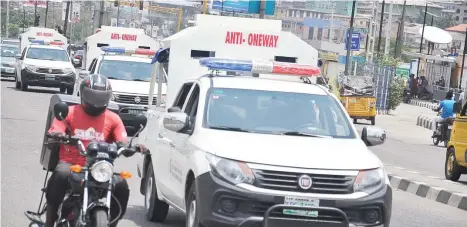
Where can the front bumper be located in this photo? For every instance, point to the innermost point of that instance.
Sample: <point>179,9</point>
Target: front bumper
<point>218,197</point>
<point>45,80</point>
<point>8,71</point>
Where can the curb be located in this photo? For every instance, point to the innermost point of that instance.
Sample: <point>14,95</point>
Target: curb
<point>424,121</point>
<point>425,104</point>
<point>423,190</point>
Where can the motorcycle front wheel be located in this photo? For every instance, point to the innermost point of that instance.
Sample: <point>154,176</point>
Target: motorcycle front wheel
<point>99,218</point>
<point>435,141</point>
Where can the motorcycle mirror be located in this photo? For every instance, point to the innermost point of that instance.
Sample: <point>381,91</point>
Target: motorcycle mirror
<point>61,111</point>
<point>140,121</point>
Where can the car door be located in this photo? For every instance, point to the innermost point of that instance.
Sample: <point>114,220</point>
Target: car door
<point>19,64</point>
<point>459,136</point>
<point>181,153</point>
<point>164,170</point>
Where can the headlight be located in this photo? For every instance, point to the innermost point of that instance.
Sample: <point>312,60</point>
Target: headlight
<point>102,171</point>
<point>31,68</point>
<point>68,71</point>
<point>114,97</point>
<point>232,171</point>
<point>369,181</point>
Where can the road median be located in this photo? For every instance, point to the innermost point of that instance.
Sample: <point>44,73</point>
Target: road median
<point>425,122</point>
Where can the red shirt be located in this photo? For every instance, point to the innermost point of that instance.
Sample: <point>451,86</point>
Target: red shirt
<point>107,127</point>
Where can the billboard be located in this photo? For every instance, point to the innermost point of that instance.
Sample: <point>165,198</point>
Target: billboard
<point>31,3</point>
<point>243,6</point>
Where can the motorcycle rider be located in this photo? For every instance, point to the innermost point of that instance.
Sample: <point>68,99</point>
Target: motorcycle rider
<point>90,121</point>
<point>447,107</point>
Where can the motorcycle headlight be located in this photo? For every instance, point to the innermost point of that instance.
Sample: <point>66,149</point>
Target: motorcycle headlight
<point>102,171</point>
<point>232,171</point>
<point>369,181</point>
<point>31,68</point>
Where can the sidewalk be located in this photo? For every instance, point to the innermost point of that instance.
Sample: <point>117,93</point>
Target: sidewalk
<point>430,187</point>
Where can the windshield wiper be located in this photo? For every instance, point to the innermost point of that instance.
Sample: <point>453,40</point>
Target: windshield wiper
<point>113,78</point>
<point>296,133</point>
<point>226,128</point>
<point>139,80</point>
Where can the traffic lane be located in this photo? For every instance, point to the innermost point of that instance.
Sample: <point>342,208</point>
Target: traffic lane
<point>23,121</point>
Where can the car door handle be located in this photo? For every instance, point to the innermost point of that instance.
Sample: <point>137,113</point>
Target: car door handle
<point>172,144</point>
<point>160,136</point>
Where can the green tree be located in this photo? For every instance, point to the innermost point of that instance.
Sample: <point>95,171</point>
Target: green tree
<point>15,21</point>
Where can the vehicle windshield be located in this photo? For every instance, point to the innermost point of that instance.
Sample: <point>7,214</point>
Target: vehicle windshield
<point>126,70</point>
<point>273,112</point>
<point>47,54</point>
<point>9,51</point>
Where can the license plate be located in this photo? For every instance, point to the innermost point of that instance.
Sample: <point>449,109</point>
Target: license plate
<point>135,112</point>
<point>10,70</point>
<point>50,77</point>
<point>302,202</point>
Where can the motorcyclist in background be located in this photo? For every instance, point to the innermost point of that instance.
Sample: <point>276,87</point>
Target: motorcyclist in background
<point>447,107</point>
<point>90,121</point>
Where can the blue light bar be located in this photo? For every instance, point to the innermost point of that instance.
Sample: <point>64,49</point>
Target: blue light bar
<point>38,41</point>
<point>227,64</point>
<point>119,50</point>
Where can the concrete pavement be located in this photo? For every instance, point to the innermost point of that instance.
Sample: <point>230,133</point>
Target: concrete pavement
<point>23,120</point>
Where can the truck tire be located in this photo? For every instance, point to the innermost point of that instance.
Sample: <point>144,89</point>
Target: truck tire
<point>192,219</point>
<point>156,210</point>
<point>452,170</point>
<point>373,120</point>
<point>17,83</point>
<point>99,218</point>
<point>70,90</point>
<point>62,89</point>
<point>24,86</point>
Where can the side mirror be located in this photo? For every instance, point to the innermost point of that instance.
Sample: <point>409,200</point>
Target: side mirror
<point>174,109</point>
<point>176,121</point>
<point>82,74</point>
<point>18,56</point>
<point>373,136</point>
<point>61,111</point>
<point>140,121</point>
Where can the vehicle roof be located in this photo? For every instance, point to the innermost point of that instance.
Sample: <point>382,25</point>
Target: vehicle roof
<point>46,47</point>
<point>255,83</point>
<point>126,58</point>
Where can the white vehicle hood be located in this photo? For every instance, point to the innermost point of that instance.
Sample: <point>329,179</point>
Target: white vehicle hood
<point>47,63</point>
<point>289,151</point>
<point>134,87</point>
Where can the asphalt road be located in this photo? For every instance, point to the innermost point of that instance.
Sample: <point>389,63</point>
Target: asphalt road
<point>23,119</point>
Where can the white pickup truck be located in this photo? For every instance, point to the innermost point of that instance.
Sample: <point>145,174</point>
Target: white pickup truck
<point>239,150</point>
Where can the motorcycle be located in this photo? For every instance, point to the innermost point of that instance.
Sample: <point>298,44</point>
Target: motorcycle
<point>443,131</point>
<point>87,201</point>
<point>407,96</point>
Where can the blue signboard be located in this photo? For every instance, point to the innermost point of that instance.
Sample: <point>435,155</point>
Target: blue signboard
<point>243,6</point>
<point>231,6</point>
<point>355,42</point>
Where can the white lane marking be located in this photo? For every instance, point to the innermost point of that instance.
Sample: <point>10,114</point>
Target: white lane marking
<point>410,171</point>
<point>397,167</point>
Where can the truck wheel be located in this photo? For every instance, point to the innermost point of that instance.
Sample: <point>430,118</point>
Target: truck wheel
<point>452,171</point>
<point>62,89</point>
<point>24,86</point>
<point>192,219</point>
<point>70,90</point>
<point>373,120</point>
<point>156,210</point>
<point>99,218</point>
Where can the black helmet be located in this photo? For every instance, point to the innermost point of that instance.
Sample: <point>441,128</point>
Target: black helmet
<point>95,92</point>
<point>449,94</point>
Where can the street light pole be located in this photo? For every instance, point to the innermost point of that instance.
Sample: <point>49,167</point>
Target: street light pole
<point>380,28</point>
<point>421,40</point>
<point>349,40</point>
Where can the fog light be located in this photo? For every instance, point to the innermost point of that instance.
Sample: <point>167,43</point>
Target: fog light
<point>371,216</point>
<point>228,205</point>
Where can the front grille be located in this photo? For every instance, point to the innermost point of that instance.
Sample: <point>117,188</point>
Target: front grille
<point>288,181</point>
<point>46,71</point>
<point>130,99</point>
<point>8,65</point>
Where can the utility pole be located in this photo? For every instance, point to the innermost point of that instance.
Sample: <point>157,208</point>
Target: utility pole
<point>463,60</point>
<point>46,11</point>
<point>67,14</point>
<point>35,12</point>
<point>262,8</point>
<point>349,40</point>
<point>331,35</point>
<point>381,21</point>
<point>118,15</point>
<point>24,18</point>
<point>399,42</point>
<point>421,40</point>
<point>7,18</point>
<point>388,30</point>
<point>101,14</point>
<point>371,34</point>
